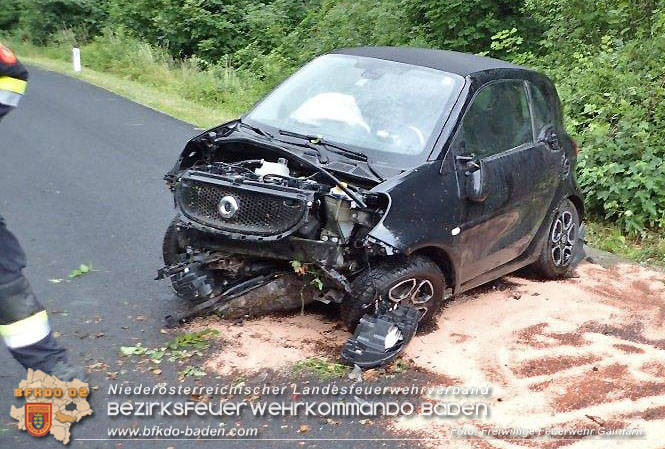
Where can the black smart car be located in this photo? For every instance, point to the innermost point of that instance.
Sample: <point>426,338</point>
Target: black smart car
<point>396,176</point>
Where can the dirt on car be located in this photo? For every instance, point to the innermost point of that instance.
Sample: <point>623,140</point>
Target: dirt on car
<point>583,352</point>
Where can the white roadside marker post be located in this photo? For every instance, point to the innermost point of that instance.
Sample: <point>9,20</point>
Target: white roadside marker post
<point>76,59</point>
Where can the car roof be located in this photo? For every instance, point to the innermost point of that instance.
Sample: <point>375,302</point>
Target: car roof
<point>448,61</point>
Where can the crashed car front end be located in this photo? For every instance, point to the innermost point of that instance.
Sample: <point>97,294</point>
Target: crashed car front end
<point>245,218</point>
<point>242,224</point>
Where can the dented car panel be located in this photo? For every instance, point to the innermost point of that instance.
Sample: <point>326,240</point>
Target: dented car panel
<point>396,176</point>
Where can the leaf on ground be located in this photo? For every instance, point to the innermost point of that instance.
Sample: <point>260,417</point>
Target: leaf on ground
<point>194,340</point>
<point>192,371</point>
<point>81,270</point>
<point>133,350</point>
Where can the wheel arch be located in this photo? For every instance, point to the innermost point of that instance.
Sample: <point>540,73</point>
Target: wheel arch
<point>440,257</point>
<point>579,205</point>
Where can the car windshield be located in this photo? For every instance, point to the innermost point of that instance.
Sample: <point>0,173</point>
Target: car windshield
<point>386,107</point>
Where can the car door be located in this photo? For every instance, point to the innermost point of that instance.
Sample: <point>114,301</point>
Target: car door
<point>519,175</point>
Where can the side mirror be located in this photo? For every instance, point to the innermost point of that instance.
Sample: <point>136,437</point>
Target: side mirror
<point>476,181</point>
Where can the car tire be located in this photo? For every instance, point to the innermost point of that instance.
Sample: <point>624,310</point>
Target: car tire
<point>558,253</point>
<point>171,252</point>
<point>171,248</point>
<point>394,278</point>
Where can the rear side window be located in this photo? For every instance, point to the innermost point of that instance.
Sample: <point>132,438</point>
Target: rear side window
<point>497,120</point>
<point>542,112</point>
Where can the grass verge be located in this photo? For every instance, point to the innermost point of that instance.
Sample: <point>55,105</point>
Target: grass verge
<point>648,249</point>
<point>190,90</point>
<point>152,97</point>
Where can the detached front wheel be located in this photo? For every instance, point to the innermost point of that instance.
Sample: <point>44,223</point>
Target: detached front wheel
<point>414,281</point>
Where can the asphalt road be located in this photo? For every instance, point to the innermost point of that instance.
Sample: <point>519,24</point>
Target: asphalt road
<point>81,182</point>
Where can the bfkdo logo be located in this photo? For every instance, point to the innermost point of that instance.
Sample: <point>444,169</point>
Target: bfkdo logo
<point>38,418</point>
<point>51,406</point>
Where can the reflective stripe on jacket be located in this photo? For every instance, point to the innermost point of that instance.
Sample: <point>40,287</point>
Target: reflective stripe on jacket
<point>13,78</point>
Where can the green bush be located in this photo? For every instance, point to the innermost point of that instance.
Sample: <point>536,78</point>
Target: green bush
<point>613,98</point>
<point>620,126</point>
<point>39,20</point>
<point>10,13</point>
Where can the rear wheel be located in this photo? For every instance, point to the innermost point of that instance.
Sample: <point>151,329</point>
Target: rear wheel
<point>415,281</point>
<point>558,253</point>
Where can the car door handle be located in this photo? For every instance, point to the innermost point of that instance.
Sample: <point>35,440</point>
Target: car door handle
<point>470,163</point>
<point>472,166</point>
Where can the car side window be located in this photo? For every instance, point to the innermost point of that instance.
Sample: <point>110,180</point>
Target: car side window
<point>542,113</point>
<point>497,120</point>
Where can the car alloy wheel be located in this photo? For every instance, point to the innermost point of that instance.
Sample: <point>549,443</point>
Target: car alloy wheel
<point>414,281</point>
<point>412,292</point>
<point>562,239</point>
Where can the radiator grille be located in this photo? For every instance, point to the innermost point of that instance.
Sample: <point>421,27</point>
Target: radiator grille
<point>259,213</point>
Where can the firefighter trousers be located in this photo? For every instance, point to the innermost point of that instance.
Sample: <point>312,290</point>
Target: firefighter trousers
<point>24,325</point>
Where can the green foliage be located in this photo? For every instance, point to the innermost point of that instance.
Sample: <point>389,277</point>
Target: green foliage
<point>192,340</point>
<point>207,28</point>
<point>467,25</point>
<point>10,13</point>
<point>179,349</point>
<point>571,23</point>
<point>614,99</point>
<point>649,247</point>
<point>81,270</point>
<point>321,369</point>
<point>192,371</point>
<point>39,20</point>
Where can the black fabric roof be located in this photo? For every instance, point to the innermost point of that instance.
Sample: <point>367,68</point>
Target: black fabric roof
<point>449,61</point>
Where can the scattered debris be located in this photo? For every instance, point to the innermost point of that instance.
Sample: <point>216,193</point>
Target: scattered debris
<point>180,348</point>
<point>322,369</point>
<point>380,337</point>
<point>356,374</point>
<point>75,273</point>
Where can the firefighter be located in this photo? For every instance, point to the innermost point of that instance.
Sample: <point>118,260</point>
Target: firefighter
<point>24,325</point>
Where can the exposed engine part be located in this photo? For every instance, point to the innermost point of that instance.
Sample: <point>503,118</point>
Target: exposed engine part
<point>339,224</point>
<point>379,338</point>
<point>279,168</point>
<point>338,279</point>
<point>194,282</point>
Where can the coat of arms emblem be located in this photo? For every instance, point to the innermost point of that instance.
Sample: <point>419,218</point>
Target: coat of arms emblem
<point>38,418</point>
